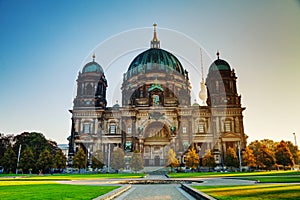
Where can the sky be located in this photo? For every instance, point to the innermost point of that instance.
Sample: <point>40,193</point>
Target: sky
<point>44,44</point>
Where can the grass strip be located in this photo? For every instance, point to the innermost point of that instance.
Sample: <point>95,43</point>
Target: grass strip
<point>51,191</point>
<point>260,191</point>
<point>232,174</point>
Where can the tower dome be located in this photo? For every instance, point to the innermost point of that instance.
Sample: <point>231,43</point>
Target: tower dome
<point>219,65</point>
<point>93,67</point>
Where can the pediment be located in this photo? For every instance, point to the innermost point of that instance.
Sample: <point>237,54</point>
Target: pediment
<point>230,135</point>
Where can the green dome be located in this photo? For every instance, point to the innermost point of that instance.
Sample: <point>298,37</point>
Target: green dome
<point>219,65</point>
<point>92,67</point>
<point>155,59</point>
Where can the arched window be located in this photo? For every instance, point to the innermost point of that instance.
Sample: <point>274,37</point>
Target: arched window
<point>89,89</point>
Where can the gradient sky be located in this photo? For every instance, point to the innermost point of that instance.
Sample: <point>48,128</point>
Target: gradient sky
<point>43,45</point>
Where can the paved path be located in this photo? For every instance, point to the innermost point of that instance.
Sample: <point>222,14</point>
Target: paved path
<point>155,192</point>
<point>160,191</point>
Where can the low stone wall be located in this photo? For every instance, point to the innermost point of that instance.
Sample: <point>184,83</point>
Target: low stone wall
<point>113,194</point>
<point>196,193</point>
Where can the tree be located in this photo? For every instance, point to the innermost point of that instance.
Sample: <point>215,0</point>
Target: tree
<point>80,159</point>
<point>36,141</point>
<point>59,160</point>
<point>270,144</point>
<point>9,160</point>
<point>248,158</point>
<point>136,162</point>
<point>295,151</point>
<point>172,161</point>
<point>118,159</point>
<point>231,159</point>
<point>27,162</point>
<point>192,159</point>
<point>97,160</point>
<point>265,158</point>
<point>5,143</point>
<point>45,161</point>
<point>208,160</point>
<point>283,155</point>
<point>255,146</point>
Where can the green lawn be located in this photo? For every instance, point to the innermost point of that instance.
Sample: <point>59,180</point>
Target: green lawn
<point>258,191</point>
<point>233,174</point>
<point>275,179</point>
<point>25,177</point>
<point>44,190</point>
<point>44,187</point>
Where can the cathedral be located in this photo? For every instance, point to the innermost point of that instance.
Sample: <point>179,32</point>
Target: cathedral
<point>156,112</point>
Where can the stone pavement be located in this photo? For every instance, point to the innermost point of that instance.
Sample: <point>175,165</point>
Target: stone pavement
<point>160,191</point>
<point>155,192</point>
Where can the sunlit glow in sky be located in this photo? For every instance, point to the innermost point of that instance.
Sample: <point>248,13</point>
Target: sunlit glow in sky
<point>44,44</point>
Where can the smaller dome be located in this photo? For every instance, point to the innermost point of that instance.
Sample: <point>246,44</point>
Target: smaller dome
<point>219,65</point>
<point>92,67</point>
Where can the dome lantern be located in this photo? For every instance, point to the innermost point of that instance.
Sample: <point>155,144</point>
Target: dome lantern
<point>155,43</point>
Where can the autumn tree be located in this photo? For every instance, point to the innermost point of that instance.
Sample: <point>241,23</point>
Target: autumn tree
<point>27,162</point>
<point>136,162</point>
<point>59,160</point>
<point>265,158</point>
<point>118,159</point>
<point>45,161</point>
<point>172,161</point>
<point>283,155</point>
<point>9,160</point>
<point>248,158</point>
<point>270,144</point>
<point>97,160</point>
<point>192,159</point>
<point>80,159</point>
<point>295,151</point>
<point>231,159</point>
<point>208,160</point>
<point>255,146</point>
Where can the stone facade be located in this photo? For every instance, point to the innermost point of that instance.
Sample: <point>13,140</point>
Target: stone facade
<point>156,112</point>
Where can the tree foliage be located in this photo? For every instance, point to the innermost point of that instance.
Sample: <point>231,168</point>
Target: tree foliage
<point>33,144</point>
<point>45,161</point>
<point>295,151</point>
<point>265,158</point>
<point>59,160</point>
<point>36,141</point>
<point>248,158</point>
<point>192,159</point>
<point>5,143</point>
<point>118,159</point>
<point>283,155</point>
<point>208,160</point>
<point>9,160</point>
<point>80,159</point>
<point>27,162</point>
<point>172,161</point>
<point>97,160</point>
<point>136,162</point>
<point>231,159</point>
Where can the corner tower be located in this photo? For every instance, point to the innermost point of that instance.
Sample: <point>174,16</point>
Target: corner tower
<point>221,85</point>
